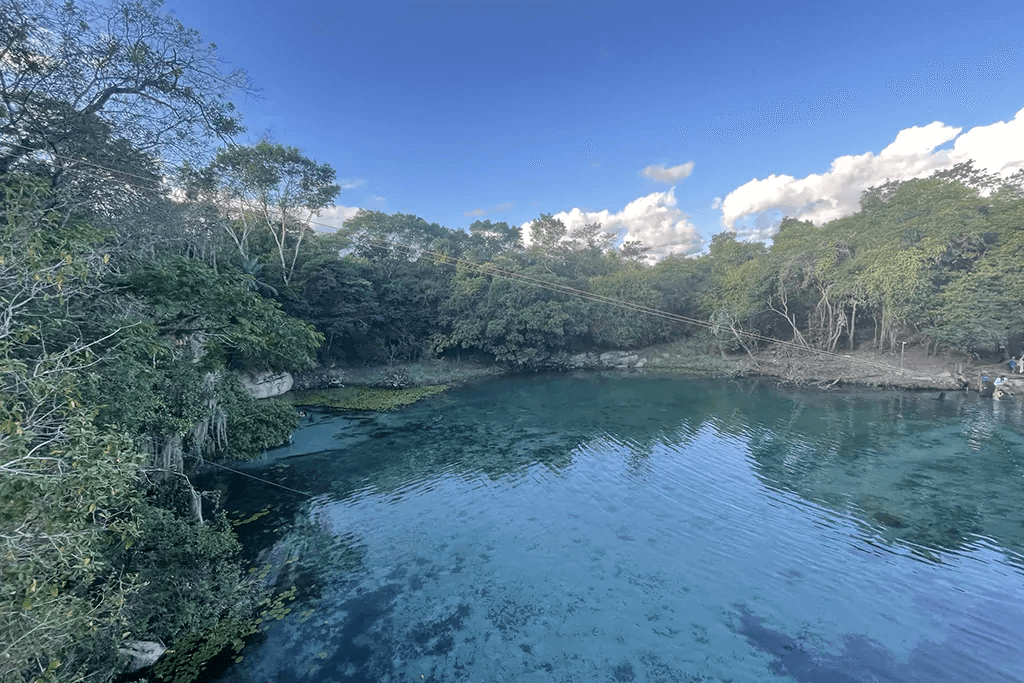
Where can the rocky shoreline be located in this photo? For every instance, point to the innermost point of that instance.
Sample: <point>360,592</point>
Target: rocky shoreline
<point>913,369</point>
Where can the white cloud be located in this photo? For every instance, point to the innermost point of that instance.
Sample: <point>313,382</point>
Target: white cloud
<point>654,219</point>
<point>753,209</point>
<point>997,148</point>
<point>332,218</point>
<point>352,184</point>
<point>475,212</point>
<point>668,175</point>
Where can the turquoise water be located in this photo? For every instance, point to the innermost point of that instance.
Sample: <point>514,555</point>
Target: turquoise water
<point>604,528</point>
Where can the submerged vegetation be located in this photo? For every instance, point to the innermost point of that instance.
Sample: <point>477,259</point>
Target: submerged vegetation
<point>364,398</point>
<point>132,300</point>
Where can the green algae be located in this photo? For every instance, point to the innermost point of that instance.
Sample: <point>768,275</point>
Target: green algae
<point>363,398</point>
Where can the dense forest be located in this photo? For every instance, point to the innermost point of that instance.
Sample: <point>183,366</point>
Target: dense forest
<point>932,261</point>
<point>147,260</point>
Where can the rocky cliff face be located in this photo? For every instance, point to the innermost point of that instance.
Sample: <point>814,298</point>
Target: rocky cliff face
<point>267,384</point>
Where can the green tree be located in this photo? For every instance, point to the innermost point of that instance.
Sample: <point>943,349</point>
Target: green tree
<point>123,74</point>
<point>391,239</point>
<point>981,302</point>
<point>230,324</point>
<point>68,486</point>
<point>515,321</point>
<point>491,239</point>
<point>682,282</point>
<point>619,327</point>
<point>547,233</point>
<point>340,300</point>
<point>736,294</point>
<point>266,187</point>
<point>409,263</point>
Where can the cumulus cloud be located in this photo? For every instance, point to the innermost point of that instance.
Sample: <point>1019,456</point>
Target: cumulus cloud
<point>654,220</point>
<point>754,209</point>
<point>668,175</point>
<point>332,218</point>
<point>997,148</point>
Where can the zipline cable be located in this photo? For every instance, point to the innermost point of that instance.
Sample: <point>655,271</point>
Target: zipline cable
<point>251,476</point>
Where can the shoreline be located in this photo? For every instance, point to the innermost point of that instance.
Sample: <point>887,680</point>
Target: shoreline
<point>395,386</point>
<point>912,370</point>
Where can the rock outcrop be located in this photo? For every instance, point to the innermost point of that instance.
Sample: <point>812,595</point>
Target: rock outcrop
<point>610,360</point>
<point>267,384</point>
<point>140,654</point>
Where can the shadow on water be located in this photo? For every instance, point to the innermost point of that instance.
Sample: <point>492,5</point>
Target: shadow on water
<point>862,659</point>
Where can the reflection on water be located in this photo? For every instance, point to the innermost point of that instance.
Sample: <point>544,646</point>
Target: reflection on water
<point>641,529</point>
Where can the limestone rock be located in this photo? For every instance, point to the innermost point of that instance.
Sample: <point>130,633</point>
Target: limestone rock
<point>619,359</point>
<point>609,360</point>
<point>267,384</point>
<point>583,360</point>
<point>140,654</point>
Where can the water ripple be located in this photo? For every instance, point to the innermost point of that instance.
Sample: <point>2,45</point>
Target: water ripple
<point>646,529</point>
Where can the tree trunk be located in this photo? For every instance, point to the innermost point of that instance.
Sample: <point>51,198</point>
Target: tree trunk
<point>853,323</point>
<point>742,343</point>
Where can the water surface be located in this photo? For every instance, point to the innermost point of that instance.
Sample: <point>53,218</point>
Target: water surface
<point>604,528</point>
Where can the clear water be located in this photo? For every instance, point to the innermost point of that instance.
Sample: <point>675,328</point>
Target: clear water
<point>603,528</point>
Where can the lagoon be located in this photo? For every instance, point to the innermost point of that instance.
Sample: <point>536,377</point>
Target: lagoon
<point>623,528</point>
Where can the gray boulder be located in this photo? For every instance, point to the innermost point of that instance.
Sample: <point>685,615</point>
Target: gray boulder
<point>267,384</point>
<point>140,654</point>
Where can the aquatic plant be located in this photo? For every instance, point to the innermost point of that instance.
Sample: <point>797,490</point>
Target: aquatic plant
<point>364,398</point>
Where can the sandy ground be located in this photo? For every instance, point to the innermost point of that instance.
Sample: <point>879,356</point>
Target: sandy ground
<point>915,370</point>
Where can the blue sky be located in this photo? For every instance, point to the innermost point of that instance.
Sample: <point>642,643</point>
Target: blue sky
<point>459,111</point>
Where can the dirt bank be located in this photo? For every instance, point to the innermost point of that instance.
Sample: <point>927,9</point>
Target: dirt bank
<point>914,369</point>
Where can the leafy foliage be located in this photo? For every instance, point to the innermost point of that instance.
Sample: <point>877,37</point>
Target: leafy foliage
<point>68,485</point>
<point>518,323</point>
<point>188,575</point>
<point>124,74</point>
<point>253,425</point>
<point>232,324</point>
